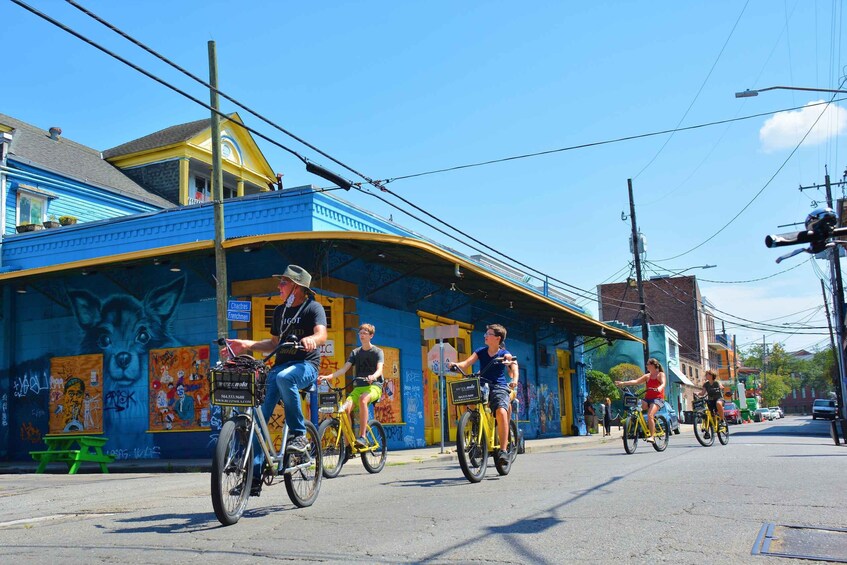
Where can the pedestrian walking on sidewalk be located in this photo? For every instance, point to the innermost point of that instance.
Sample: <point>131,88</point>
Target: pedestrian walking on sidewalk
<point>607,417</point>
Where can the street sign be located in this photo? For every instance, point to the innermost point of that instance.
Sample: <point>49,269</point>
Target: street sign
<point>434,358</point>
<point>441,332</point>
<point>236,316</point>
<point>239,305</point>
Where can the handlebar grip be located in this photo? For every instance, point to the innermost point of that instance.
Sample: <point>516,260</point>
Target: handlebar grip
<point>221,341</point>
<point>792,238</point>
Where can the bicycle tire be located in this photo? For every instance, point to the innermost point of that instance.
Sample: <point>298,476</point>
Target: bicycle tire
<point>374,461</point>
<point>304,484</point>
<point>723,432</point>
<point>630,435</point>
<point>472,452</point>
<point>511,452</point>
<point>333,447</point>
<point>232,471</point>
<point>702,426</point>
<point>662,435</point>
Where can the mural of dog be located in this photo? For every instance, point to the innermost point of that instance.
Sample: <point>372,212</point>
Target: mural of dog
<point>124,329</point>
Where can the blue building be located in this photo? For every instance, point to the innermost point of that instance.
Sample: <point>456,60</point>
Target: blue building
<point>108,326</point>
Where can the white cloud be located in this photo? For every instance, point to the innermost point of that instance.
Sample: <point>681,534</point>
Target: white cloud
<point>785,129</point>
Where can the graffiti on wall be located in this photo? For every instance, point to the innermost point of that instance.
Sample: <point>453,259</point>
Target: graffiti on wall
<point>76,393</point>
<point>414,409</point>
<point>4,411</point>
<point>124,329</point>
<point>179,389</point>
<point>389,409</point>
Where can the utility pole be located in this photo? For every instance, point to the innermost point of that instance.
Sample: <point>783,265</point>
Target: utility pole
<point>218,195</point>
<point>635,241</point>
<point>838,305</point>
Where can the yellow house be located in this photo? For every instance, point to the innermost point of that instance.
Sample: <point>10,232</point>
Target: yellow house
<point>175,163</point>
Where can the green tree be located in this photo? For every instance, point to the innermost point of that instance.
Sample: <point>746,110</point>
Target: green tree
<point>625,372</point>
<point>600,386</point>
<point>775,388</point>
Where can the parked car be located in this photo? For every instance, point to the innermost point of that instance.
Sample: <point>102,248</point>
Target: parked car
<point>670,414</point>
<point>779,412</point>
<point>823,408</point>
<point>762,415</point>
<point>731,413</point>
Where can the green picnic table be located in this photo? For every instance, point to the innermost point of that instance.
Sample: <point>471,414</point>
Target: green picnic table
<point>73,450</point>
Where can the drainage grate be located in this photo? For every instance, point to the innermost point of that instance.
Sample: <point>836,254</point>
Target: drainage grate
<point>802,542</point>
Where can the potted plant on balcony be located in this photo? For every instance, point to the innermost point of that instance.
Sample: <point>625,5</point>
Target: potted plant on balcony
<point>28,226</point>
<point>51,222</point>
<point>67,220</point>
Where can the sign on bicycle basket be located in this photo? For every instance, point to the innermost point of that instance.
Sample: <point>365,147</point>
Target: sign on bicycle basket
<point>630,400</point>
<point>465,391</point>
<point>327,402</point>
<point>233,386</point>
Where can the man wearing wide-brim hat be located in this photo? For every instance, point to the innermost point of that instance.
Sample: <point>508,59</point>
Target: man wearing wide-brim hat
<point>305,319</point>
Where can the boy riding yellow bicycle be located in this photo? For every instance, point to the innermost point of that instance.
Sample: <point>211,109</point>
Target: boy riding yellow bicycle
<point>368,360</point>
<point>501,383</point>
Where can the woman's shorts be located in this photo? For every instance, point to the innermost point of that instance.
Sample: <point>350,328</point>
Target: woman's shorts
<point>657,401</point>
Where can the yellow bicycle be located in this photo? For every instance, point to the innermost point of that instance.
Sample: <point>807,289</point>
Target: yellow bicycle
<point>635,426</point>
<point>476,432</point>
<point>338,441</point>
<point>707,425</point>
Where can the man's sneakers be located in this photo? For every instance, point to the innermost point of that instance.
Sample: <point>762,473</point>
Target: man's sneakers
<point>650,439</point>
<point>297,444</point>
<point>503,457</point>
<point>361,441</point>
<point>707,435</point>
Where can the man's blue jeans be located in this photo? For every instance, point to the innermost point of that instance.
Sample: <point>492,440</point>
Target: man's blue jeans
<point>285,381</point>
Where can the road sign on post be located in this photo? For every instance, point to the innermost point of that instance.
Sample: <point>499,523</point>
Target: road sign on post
<point>438,359</point>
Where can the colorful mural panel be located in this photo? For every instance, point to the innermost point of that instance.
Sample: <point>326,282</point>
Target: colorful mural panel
<point>76,395</point>
<point>179,389</point>
<point>389,409</point>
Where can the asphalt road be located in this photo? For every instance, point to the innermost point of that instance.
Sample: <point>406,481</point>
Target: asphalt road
<point>596,504</point>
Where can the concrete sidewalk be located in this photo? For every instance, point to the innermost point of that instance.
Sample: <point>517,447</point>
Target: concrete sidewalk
<point>401,457</point>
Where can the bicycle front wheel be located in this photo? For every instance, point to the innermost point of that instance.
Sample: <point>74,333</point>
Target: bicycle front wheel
<point>374,459</point>
<point>723,432</point>
<point>232,471</point>
<point>630,434</point>
<point>303,471</point>
<point>662,435</point>
<point>471,447</point>
<point>702,430</point>
<point>333,447</point>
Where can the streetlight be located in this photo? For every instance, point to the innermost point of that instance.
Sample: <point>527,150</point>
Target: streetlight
<point>695,267</point>
<point>750,93</point>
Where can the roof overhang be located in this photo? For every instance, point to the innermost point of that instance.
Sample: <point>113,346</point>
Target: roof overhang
<point>679,377</point>
<point>434,263</point>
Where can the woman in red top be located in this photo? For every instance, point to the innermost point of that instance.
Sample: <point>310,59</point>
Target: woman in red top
<point>654,398</point>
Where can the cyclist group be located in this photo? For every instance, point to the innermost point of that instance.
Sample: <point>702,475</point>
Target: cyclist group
<point>304,319</point>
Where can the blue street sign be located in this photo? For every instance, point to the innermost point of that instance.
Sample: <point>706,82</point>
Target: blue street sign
<point>235,316</point>
<point>239,305</point>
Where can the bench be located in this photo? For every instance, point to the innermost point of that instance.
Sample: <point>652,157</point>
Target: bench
<point>60,449</point>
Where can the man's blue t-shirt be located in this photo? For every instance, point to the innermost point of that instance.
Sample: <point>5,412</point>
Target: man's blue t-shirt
<point>495,375</point>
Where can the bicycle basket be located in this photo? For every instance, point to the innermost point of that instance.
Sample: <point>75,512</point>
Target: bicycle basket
<point>465,391</point>
<point>238,382</point>
<point>327,402</point>
<point>630,400</point>
<point>700,405</point>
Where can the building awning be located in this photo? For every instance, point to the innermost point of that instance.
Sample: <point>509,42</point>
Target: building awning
<point>679,377</point>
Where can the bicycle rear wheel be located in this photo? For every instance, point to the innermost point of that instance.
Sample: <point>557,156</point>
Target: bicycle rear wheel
<point>303,471</point>
<point>723,432</point>
<point>702,430</point>
<point>630,434</point>
<point>662,435</point>
<point>374,461</point>
<point>471,447</point>
<point>511,451</point>
<point>232,471</point>
<point>333,447</point>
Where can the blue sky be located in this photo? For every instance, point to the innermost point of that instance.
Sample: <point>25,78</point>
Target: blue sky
<point>398,88</point>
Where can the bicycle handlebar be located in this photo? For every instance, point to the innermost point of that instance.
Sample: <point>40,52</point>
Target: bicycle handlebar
<point>291,343</point>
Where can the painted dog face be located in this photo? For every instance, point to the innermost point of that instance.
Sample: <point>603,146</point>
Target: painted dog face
<point>125,328</point>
